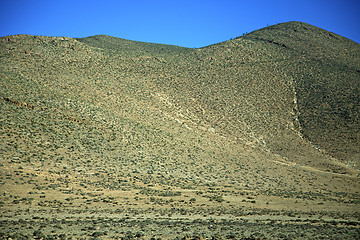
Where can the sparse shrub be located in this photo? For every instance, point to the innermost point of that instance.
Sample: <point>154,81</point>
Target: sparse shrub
<point>217,198</point>
<point>38,234</point>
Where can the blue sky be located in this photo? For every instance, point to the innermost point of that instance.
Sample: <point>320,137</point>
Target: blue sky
<point>188,23</point>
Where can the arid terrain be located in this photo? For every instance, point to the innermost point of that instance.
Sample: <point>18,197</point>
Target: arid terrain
<point>252,138</point>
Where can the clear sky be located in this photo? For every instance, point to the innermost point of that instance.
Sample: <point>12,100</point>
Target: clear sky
<point>188,23</point>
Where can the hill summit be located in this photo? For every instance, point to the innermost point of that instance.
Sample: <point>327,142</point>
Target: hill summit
<point>114,126</point>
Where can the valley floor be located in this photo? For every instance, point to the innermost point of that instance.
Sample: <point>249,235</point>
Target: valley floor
<point>104,225</point>
<point>183,214</point>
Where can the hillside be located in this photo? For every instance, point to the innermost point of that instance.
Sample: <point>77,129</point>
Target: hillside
<point>104,128</point>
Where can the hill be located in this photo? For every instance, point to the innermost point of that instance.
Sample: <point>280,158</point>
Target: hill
<point>108,129</point>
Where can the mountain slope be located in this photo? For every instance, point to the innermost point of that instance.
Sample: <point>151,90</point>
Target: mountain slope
<point>328,94</point>
<point>265,91</point>
<point>103,123</point>
<point>128,47</point>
